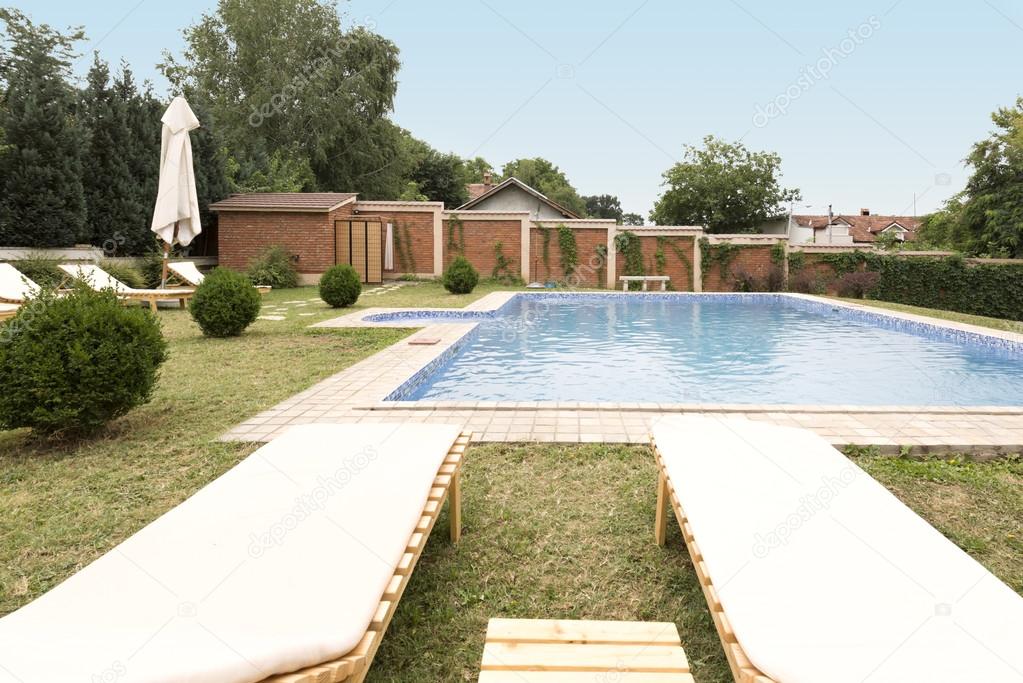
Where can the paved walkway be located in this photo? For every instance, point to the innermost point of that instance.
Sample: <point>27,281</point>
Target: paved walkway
<point>356,395</point>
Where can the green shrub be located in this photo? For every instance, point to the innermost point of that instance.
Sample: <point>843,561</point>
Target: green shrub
<point>951,284</point>
<point>857,285</point>
<point>40,269</point>
<point>460,277</point>
<point>70,364</point>
<point>129,275</point>
<point>152,269</point>
<point>340,286</point>
<point>274,267</point>
<point>225,303</point>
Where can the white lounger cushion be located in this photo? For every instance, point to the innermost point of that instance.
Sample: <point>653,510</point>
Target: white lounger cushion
<point>278,564</point>
<point>14,286</point>
<point>187,271</point>
<point>824,575</point>
<point>97,278</point>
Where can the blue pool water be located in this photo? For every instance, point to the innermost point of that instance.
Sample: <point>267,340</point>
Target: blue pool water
<point>731,349</point>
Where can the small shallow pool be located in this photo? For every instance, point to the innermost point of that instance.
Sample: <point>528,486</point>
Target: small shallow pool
<point>713,349</point>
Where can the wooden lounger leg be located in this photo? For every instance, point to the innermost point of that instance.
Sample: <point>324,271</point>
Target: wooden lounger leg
<point>152,305</point>
<point>455,506</point>
<point>181,301</point>
<point>661,516</point>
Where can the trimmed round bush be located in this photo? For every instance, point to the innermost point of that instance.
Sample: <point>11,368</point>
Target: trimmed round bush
<point>460,277</point>
<point>224,304</point>
<point>340,286</point>
<point>70,364</point>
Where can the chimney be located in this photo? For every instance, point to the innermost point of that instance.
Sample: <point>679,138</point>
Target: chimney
<point>488,179</point>
<point>864,212</point>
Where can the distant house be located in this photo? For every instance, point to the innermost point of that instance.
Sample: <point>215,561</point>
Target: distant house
<point>513,195</point>
<point>860,229</point>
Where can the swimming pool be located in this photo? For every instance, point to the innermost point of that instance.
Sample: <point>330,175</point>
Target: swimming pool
<point>713,349</point>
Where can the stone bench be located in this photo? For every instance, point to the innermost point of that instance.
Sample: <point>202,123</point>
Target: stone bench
<point>626,279</point>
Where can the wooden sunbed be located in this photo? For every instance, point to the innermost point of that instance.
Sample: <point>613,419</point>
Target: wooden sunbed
<point>97,278</point>
<point>15,288</point>
<point>8,311</point>
<point>353,667</point>
<point>743,670</point>
<point>186,274</point>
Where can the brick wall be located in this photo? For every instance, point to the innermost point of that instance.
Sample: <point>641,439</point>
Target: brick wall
<point>755,259</point>
<point>589,270</point>
<point>413,239</point>
<point>680,271</point>
<point>243,235</point>
<point>480,237</point>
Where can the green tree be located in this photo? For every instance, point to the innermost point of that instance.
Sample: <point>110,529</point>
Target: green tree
<point>474,170</point>
<point>440,177</point>
<point>992,213</point>
<point>944,228</point>
<point>285,78</point>
<point>42,202</point>
<point>117,215</point>
<point>548,179</point>
<point>604,206</point>
<point>633,219</point>
<point>724,187</point>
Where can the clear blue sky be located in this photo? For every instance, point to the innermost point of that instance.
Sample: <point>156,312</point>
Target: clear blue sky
<point>611,91</point>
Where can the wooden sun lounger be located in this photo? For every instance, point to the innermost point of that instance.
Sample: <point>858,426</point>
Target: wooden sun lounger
<point>353,667</point>
<point>186,274</point>
<point>123,291</point>
<point>8,311</point>
<point>743,670</point>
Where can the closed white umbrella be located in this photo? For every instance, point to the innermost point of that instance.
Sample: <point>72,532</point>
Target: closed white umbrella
<point>176,218</point>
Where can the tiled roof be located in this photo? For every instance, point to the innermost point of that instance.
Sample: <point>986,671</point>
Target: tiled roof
<point>284,201</point>
<point>863,228</point>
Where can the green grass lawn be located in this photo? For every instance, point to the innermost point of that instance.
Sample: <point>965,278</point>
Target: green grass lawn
<point>550,531</point>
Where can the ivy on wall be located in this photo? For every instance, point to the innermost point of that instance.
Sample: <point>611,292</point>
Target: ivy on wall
<point>627,243</point>
<point>722,253</point>
<point>778,254</point>
<point>949,283</point>
<point>568,249</point>
<point>601,252</point>
<point>456,226</point>
<point>403,248</point>
<point>545,234</point>
<point>797,261</point>
<point>845,262</point>
<point>660,256</point>
<point>502,264</point>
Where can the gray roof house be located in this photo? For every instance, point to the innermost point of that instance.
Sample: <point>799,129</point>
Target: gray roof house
<point>511,196</point>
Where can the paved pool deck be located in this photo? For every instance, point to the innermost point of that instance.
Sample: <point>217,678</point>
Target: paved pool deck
<point>357,393</point>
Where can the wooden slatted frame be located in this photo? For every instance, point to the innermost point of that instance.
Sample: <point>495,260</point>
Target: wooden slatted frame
<point>171,294</point>
<point>353,667</point>
<point>182,296</point>
<point>555,650</point>
<point>743,670</point>
<point>5,313</point>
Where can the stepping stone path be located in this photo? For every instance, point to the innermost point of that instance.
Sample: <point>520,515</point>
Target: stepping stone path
<point>270,317</point>
<point>389,287</point>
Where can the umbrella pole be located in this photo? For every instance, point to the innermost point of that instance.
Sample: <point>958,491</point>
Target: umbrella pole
<point>166,256</point>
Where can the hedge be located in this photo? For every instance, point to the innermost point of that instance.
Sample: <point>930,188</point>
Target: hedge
<point>950,283</point>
